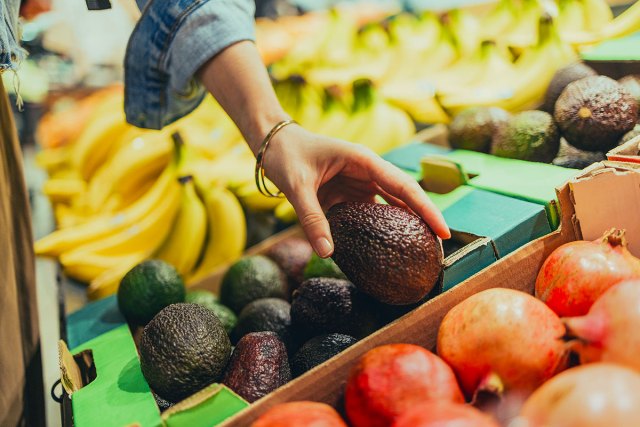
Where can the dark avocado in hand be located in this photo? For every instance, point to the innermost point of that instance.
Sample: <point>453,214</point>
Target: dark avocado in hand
<point>386,251</point>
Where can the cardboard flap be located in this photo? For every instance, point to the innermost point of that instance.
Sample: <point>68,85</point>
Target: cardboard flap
<point>627,152</point>
<point>607,195</point>
<point>71,375</point>
<point>441,175</point>
<point>207,407</point>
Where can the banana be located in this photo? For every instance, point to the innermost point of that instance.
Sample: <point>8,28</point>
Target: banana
<point>183,246</point>
<point>416,98</point>
<point>104,225</point>
<point>52,160</point>
<point>92,265</point>
<point>251,198</point>
<point>285,212</point>
<point>233,169</point>
<point>465,30</point>
<point>227,233</point>
<point>624,24</point>
<point>597,14</point>
<point>498,20</point>
<point>62,190</point>
<point>335,117</point>
<point>144,156</point>
<point>146,235</point>
<point>571,17</point>
<point>523,32</point>
<point>107,283</point>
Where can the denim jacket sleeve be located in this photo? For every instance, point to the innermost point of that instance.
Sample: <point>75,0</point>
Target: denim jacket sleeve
<point>171,41</point>
<point>11,54</point>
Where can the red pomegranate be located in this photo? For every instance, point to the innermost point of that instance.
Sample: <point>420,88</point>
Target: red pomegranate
<point>389,380</point>
<point>502,340</point>
<point>440,413</point>
<point>577,273</point>
<point>300,414</point>
<point>609,331</point>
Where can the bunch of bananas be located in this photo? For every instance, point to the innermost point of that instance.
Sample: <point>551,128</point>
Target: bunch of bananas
<point>122,195</point>
<point>433,66</point>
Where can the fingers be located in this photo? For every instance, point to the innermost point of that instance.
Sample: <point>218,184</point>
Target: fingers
<point>400,186</point>
<point>314,223</point>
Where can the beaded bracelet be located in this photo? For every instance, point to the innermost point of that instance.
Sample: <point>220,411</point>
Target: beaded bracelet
<point>259,172</point>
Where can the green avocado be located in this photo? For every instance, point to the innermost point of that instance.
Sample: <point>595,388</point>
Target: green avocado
<point>322,267</point>
<point>148,288</point>
<point>292,256</point>
<point>259,365</point>
<point>324,305</point>
<point>473,128</point>
<point>201,296</point>
<point>593,113</point>
<point>561,79</point>
<point>249,279</point>
<point>183,349</point>
<point>210,300</point>
<point>386,251</point>
<point>529,135</point>
<point>318,350</point>
<point>265,314</point>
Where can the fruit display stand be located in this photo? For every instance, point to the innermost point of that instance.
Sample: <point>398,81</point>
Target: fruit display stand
<point>518,270</point>
<point>529,181</point>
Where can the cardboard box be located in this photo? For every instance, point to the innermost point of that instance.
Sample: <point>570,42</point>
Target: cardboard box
<point>627,152</point>
<point>518,270</point>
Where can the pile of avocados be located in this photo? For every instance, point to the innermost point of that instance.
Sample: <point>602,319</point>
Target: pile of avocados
<point>583,116</point>
<point>280,314</point>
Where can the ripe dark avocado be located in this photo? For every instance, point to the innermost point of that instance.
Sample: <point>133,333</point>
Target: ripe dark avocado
<point>594,112</point>
<point>249,279</point>
<point>259,365</point>
<point>571,157</point>
<point>632,84</point>
<point>318,350</point>
<point>292,256</point>
<point>324,305</point>
<point>386,251</point>
<point>561,79</point>
<point>148,288</point>
<point>529,135</point>
<point>473,128</point>
<point>265,314</point>
<point>183,349</point>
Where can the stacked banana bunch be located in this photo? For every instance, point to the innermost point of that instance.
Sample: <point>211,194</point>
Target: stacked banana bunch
<point>434,66</point>
<point>122,195</point>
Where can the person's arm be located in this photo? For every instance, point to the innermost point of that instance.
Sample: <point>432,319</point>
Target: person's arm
<point>313,171</point>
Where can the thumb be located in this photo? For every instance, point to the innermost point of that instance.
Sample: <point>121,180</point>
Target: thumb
<point>313,221</point>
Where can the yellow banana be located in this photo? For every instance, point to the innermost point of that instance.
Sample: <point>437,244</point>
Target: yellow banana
<point>183,246</point>
<point>285,212</point>
<point>335,116</point>
<point>99,227</point>
<point>253,200</point>
<point>93,265</point>
<point>54,159</point>
<point>227,233</point>
<point>571,17</point>
<point>498,20</point>
<point>523,32</point>
<point>146,235</point>
<point>597,14</point>
<point>108,282</point>
<point>465,30</point>
<point>417,98</point>
<point>143,156</point>
<point>62,190</point>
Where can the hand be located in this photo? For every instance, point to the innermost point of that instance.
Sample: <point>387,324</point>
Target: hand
<point>316,172</point>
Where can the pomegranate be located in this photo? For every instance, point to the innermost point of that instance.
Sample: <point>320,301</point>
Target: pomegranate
<point>577,273</point>
<point>389,380</point>
<point>300,414</point>
<point>502,340</point>
<point>609,331</point>
<point>594,395</point>
<point>440,413</point>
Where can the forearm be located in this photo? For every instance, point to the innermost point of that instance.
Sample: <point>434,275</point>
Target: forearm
<point>238,80</point>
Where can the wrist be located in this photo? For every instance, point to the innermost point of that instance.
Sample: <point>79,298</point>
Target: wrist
<point>256,126</point>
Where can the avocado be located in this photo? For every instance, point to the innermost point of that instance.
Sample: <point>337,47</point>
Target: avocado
<point>631,134</point>
<point>324,305</point>
<point>201,296</point>
<point>528,135</point>
<point>292,256</point>
<point>473,128</point>
<point>148,288</point>
<point>322,267</point>
<point>163,404</point>
<point>249,279</point>
<point>258,366</point>
<point>183,349</point>
<point>594,112</point>
<point>265,314</point>
<point>573,158</point>
<point>561,79</point>
<point>632,84</point>
<point>318,350</point>
<point>386,251</point>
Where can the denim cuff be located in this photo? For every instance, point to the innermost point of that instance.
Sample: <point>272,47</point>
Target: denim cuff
<point>172,40</point>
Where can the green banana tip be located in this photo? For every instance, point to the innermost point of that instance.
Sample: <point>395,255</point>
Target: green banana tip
<point>185,179</point>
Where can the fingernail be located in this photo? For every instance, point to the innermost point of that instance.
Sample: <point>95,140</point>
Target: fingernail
<point>323,247</point>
